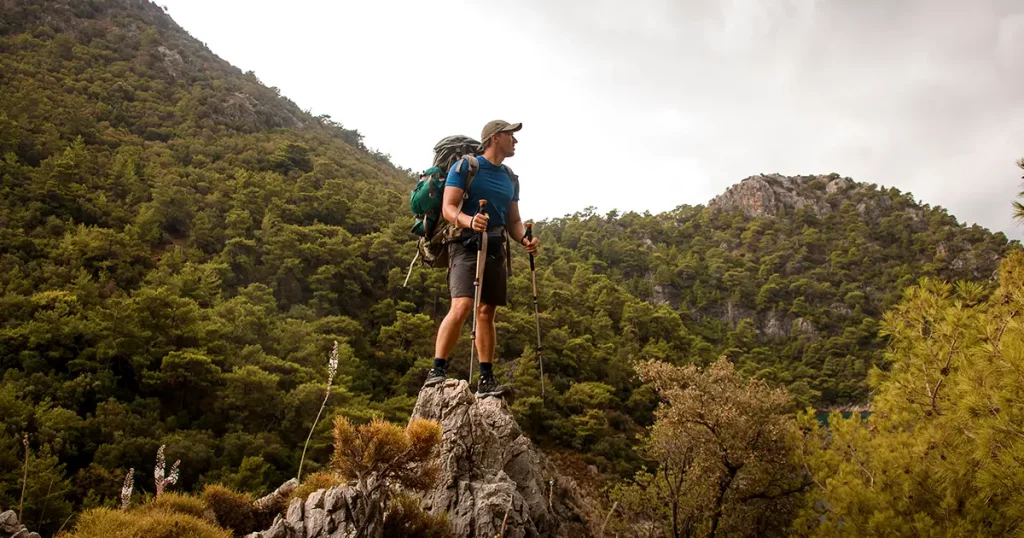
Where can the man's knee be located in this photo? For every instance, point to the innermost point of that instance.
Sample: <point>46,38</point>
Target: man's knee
<point>461,308</point>
<point>485,313</point>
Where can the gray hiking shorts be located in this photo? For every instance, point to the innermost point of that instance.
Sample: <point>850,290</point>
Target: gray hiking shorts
<point>462,271</point>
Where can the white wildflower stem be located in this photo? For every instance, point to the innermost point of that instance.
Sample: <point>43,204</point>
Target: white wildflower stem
<point>158,472</point>
<point>126,489</point>
<point>332,367</point>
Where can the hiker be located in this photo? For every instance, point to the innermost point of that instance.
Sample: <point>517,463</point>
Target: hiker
<point>494,184</point>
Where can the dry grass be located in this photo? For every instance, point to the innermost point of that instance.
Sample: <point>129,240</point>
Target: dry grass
<point>149,522</point>
<point>314,482</point>
<point>177,502</point>
<point>234,510</point>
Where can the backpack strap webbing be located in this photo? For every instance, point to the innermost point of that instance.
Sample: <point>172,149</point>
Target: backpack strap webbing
<point>474,165</point>
<point>508,237</point>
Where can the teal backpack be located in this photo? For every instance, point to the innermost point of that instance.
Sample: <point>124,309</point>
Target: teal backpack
<point>425,200</point>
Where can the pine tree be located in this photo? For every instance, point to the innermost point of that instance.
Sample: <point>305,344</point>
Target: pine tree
<point>943,452</point>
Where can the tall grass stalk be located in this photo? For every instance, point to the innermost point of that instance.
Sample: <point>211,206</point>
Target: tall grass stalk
<point>24,480</point>
<point>332,367</point>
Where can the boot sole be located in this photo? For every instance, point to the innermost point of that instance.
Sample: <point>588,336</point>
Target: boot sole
<point>507,393</point>
<point>434,381</point>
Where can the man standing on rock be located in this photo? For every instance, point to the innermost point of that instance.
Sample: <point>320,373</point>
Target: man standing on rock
<point>493,182</point>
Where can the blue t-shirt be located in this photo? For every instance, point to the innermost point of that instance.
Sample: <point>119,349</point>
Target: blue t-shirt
<point>492,183</point>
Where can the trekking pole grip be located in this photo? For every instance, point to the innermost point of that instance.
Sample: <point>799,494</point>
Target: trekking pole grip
<point>529,237</point>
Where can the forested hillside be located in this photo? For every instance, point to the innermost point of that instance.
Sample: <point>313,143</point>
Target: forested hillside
<point>180,246</point>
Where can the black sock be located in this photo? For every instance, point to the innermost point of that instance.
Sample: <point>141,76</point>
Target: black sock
<point>485,369</point>
<point>440,363</point>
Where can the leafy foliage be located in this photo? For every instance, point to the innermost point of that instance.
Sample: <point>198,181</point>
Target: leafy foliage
<point>941,453</point>
<point>726,453</point>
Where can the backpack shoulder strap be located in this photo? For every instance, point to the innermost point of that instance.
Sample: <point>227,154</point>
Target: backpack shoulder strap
<point>508,237</point>
<point>473,165</point>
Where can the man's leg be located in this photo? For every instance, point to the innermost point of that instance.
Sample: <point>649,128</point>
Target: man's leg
<point>461,273</point>
<point>486,335</point>
<point>447,337</point>
<point>494,295</point>
<point>451,327</point>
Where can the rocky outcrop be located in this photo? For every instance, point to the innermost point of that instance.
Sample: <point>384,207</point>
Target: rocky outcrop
<point>326,513</point>
<point>488,468</point>
<point>11,528</point>
<point>492,477</point>
<point>766,195</point>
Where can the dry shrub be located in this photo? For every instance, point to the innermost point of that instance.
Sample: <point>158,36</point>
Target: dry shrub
<point>383,453</point>
<point>153,522</point>
<point>177,502</point>
<point>406,518</point>
<point>316,481</point>
<point>381,457</point>
<point>234,510</point>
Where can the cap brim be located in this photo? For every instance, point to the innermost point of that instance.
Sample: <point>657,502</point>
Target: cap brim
<point>511,128</point>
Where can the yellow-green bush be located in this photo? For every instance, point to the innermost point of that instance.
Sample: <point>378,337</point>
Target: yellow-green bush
<point>178,502</point>
<point>315,481</point>
<point>233,510</point>
<point>145,522</point>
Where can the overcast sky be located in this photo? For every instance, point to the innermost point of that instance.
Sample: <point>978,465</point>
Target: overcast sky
<point>649,104</point>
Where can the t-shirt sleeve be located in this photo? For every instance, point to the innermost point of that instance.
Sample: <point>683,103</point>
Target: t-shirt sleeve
<point>457,179</point>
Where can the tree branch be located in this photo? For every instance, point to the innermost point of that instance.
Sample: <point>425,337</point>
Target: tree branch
<point>943,373</point>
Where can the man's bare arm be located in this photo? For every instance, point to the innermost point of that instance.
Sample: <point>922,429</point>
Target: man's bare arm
<point>515,223</point>
<point>451,212</point>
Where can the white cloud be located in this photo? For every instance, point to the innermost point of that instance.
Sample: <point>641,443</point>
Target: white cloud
<point>651,104</point>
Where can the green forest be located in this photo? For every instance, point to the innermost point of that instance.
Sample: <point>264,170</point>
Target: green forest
<point>181,246</point>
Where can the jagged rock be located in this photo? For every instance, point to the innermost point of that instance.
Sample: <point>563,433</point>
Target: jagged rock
<point>172,60</point>
<point>11,528</point>
<point>487,463</point>
<point>325,513</point>
<point>774,326</point>
<point>276,501</point>
<point>805,326</point>
<point>838,184</point>
<point>248,110</point>
<point>490,474</point>
<point>766,195</point>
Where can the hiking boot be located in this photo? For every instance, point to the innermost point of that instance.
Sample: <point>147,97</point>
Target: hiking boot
<point>434,376</point>
<point>488,386</point>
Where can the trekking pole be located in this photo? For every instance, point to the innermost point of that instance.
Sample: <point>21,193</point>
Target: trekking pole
<point>536,312</point>
<point>481,259</point>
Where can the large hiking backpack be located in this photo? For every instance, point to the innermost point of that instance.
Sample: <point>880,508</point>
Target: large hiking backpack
<point>425,200</point>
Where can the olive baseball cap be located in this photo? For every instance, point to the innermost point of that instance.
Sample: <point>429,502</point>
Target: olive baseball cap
<point>498,126</point>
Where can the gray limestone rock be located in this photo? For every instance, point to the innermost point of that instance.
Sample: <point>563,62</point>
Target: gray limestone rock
<point>10,527</point>
<point>491,475</point>
<point>486,464</point>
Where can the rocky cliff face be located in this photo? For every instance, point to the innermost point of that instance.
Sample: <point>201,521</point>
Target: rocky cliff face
<point>492,478</point>
<point>489,467</point>
<point>326,513</point>
<point>766,195</point>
